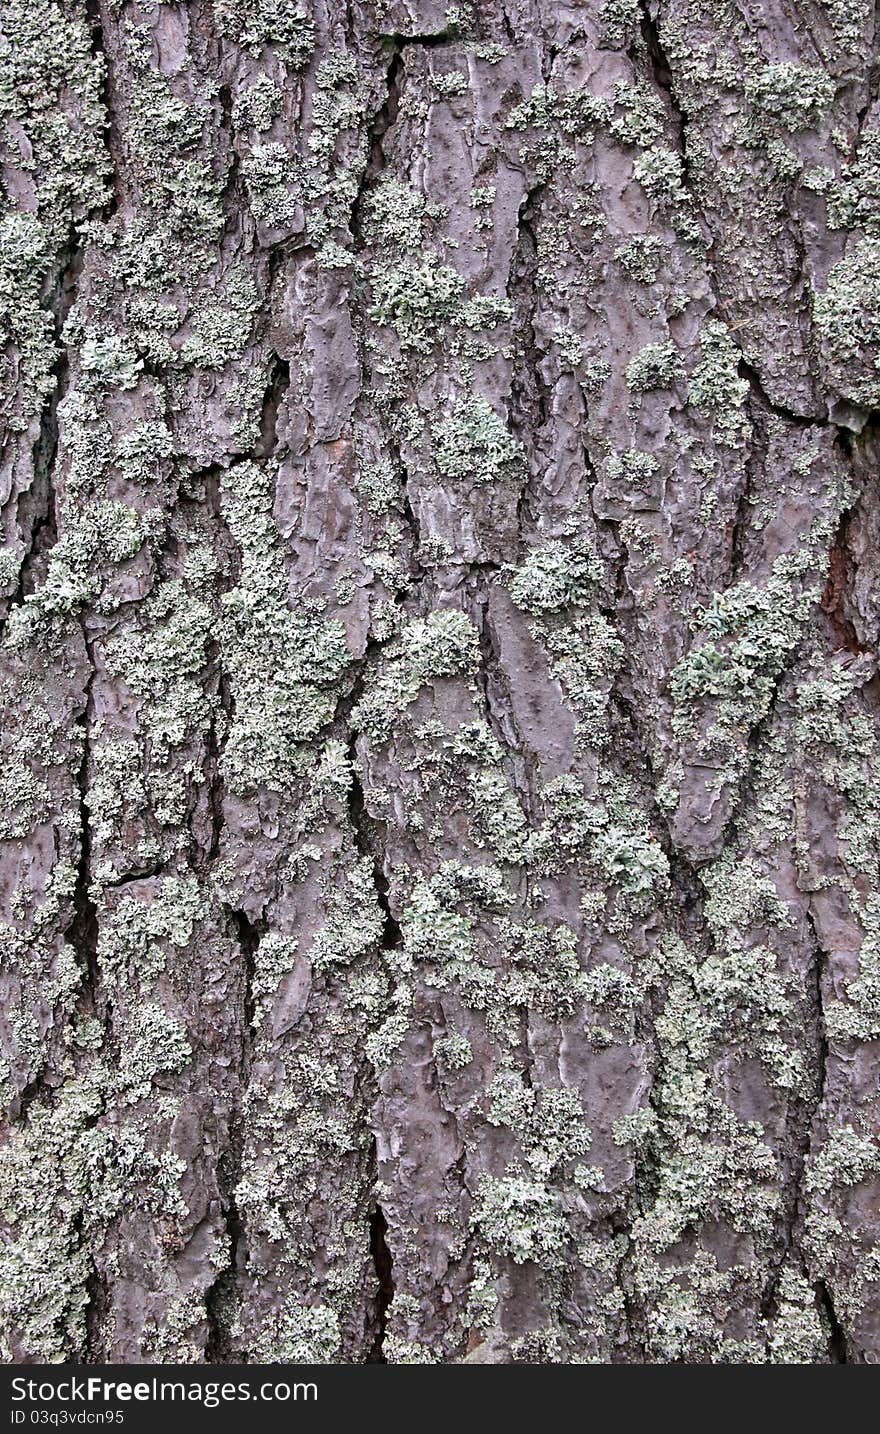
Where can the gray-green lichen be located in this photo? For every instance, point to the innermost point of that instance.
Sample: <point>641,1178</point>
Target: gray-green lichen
<point>438,816</point>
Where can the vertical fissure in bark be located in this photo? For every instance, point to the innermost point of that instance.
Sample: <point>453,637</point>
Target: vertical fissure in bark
<point>378,127</point>
<point>820,968</point>
<point>610,532</point>
<point>872,90</point>
<point>381,122</point>
<point>36,515</point>
<point>383,1265</point>
<point>368,846</point>
<point>531,398</point>
<point>837,1344</point>
<point>365,839</point>
<point>621,1229</point>
<point>97,1296</point>
<point>664,79</point>
<point>837,1349</point>
<point>248,934</point>
<point>206,799</point>
<point>82,935</point>
<point>628,708</point>
<point>108,89</point>
<point>417,570</point>
<point>234,187</point>
<point>800,1122</point>
<point>223,1298</point>
<point>498,707</point>
<point>741,521</point>
<point>836,601</point>
<point>509,32</point>
<point>83,931</point>
<point>214,751</point>
<point>276,391</point>
<point>363,831</point>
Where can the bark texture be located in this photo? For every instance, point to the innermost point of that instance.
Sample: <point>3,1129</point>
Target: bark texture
<point>438,804</point>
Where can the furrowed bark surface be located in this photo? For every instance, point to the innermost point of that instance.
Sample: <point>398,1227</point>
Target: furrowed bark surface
<point>438,802</point>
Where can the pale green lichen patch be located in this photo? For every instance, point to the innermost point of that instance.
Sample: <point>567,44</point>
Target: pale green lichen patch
<point>137,934</point>
<point>847,317</point>
<point>253,24</point>
<point>852,198</point>
<point>299,1333</point>
<point>715,387</point>
<point>273,184</point>
<point>162,663</point>
<point>640,257</point>
<point>548,1121</point>
<point>354,920</point>
<point>258,105</point>
<point>620,20</point>
<point>50,96</point>
<point>415,300</point>
<point>520,1218</point>
<point>749,636</point>
<point>445,644</point>
<point>711,1166</point>
<point>792,96</point>
<point>103,534</point>
<point>153,1042</point>
<point>474,442</point>
<point>220,330</point>
<point>262,633</point>
<point>654,366</point>
<point>394,215</point>
<point>63,1177</point>
<point>554,576</point>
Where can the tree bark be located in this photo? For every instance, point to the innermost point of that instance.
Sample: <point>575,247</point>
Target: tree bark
<point>438,806</point>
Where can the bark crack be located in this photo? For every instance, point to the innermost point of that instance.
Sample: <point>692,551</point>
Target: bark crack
<point>873,85</point>
<point>837,1344</point>
<point>82,935</point>
<point>223,1297</point>
<point>383,1265</point>
<point>531,397</point>
<point>363,831</point>
<point>427,41</point>
<point>36,515</point>
<point>662,72</point>
<point>277,388</point>
<point>834,601</point>
<point>111,139</point>
<point>803,1119</point>
<point>837,1349</point>
<point>498,708</point>
<point>664,78</point>
<point>779,410</point>
<point>83,931</point>
<point>382,121</point>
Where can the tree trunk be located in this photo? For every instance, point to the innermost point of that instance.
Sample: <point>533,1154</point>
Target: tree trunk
<point>440,901</point>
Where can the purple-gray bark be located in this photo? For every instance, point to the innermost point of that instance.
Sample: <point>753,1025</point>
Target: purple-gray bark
<point>438,805</point>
